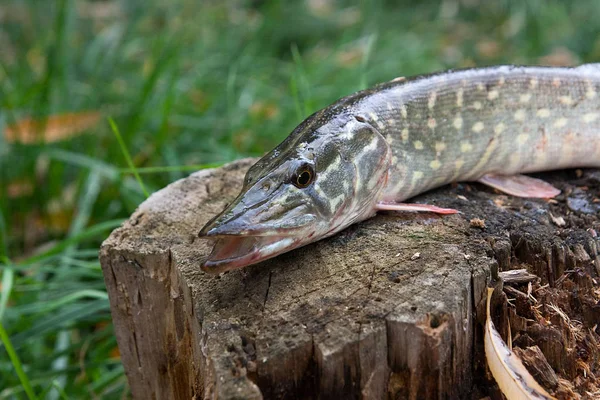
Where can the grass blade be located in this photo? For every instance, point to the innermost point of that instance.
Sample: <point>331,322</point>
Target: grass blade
<point>365,60</point>
<point>296,96</point>
<point>86,203</point>
<point>301,81</point>
<point>60,319</point>
<point>3,239</point>
<point>127,155</point>
<point>50,305</point>
<point>8,275</point>
<point>56,386</point>
<point>164,61</point>
<point>169,168</point>
<point>88,233</point>
<point>16,363</point>
<point>84,161</point>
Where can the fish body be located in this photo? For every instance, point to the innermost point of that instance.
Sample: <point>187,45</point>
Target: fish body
<point>378,147</point>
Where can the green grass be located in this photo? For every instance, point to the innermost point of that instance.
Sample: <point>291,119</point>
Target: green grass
<point>127,156</point>
<point>190,84</point>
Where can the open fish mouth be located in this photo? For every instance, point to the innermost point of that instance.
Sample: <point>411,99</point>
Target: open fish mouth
<point>231,252</point>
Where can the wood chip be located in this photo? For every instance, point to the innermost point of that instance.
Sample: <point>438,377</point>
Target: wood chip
<point>538,366</point>
<point>477,223</point>
<point>558,221</point>
<point>511,291</point>
<point>517,276</point>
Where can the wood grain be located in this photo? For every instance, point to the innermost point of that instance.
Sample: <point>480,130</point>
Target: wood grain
<point>389,308</point>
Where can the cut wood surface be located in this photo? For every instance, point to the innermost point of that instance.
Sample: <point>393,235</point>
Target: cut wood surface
<point>389,308</point>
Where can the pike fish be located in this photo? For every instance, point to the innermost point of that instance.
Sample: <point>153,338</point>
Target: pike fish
<point>376,148</point>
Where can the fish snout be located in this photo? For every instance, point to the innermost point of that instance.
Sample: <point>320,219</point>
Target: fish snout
<point>208,228</point>
<point>268,220</point>
<point>226,223</point>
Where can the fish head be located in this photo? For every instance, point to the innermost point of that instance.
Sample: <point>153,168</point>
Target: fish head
<point>314,184</point>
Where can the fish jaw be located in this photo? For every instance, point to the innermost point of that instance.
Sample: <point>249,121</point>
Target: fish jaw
<point>233,252</point>
<point>243,240</point>
<point>240,250</point>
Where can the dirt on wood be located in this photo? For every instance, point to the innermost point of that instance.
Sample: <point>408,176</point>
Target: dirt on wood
<point>558,314</point>
<point>389,308</point>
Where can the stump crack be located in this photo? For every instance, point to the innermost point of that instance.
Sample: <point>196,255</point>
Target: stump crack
<point>137,350</point>
<point>365,278</point>
<point>360,325</point>
<point>267,292</point>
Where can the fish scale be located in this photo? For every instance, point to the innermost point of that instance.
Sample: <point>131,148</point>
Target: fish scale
<point>462,125</point>
<point>376,148</point>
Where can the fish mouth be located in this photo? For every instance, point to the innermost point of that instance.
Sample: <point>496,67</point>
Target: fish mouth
<point>232,252</point>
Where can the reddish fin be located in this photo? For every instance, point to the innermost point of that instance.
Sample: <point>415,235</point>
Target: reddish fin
<point>387,206</point>
<point>520,185</point>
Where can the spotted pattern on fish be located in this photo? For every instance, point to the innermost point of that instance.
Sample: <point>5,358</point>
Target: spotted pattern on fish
<point>498,104</point>
<point>391,142</point>
<point>492,118</point>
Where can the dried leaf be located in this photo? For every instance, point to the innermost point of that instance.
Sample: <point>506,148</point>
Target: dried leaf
<point>321,8</point>
<point>508,370</point>
<point>52,129</point>
<point>560,57</point>
<point>263,110</point>
<point>350,57</point>
<point>477,223</point>
<point>20,188</point>
<point>488,48</point>
<point>99,10</point>
<point>115,353</point>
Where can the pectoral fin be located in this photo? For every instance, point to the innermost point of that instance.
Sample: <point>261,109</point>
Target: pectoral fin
<point>390,206</point>
<point>520,185</point>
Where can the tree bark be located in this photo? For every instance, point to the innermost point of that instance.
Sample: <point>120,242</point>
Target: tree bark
<point>388,308</point>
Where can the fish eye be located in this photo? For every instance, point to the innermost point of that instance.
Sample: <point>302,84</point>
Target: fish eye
<point>303,176</point>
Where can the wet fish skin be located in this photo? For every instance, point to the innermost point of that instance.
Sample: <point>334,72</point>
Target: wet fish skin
<point>458,126</point>
<point>401,138</point>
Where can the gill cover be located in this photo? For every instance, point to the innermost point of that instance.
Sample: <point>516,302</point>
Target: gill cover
<point>314,184</point>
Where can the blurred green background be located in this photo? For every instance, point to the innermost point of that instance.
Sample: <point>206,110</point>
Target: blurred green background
<point>189,84</point>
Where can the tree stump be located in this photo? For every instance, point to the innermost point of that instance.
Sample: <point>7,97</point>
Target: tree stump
<point>389,308</point>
